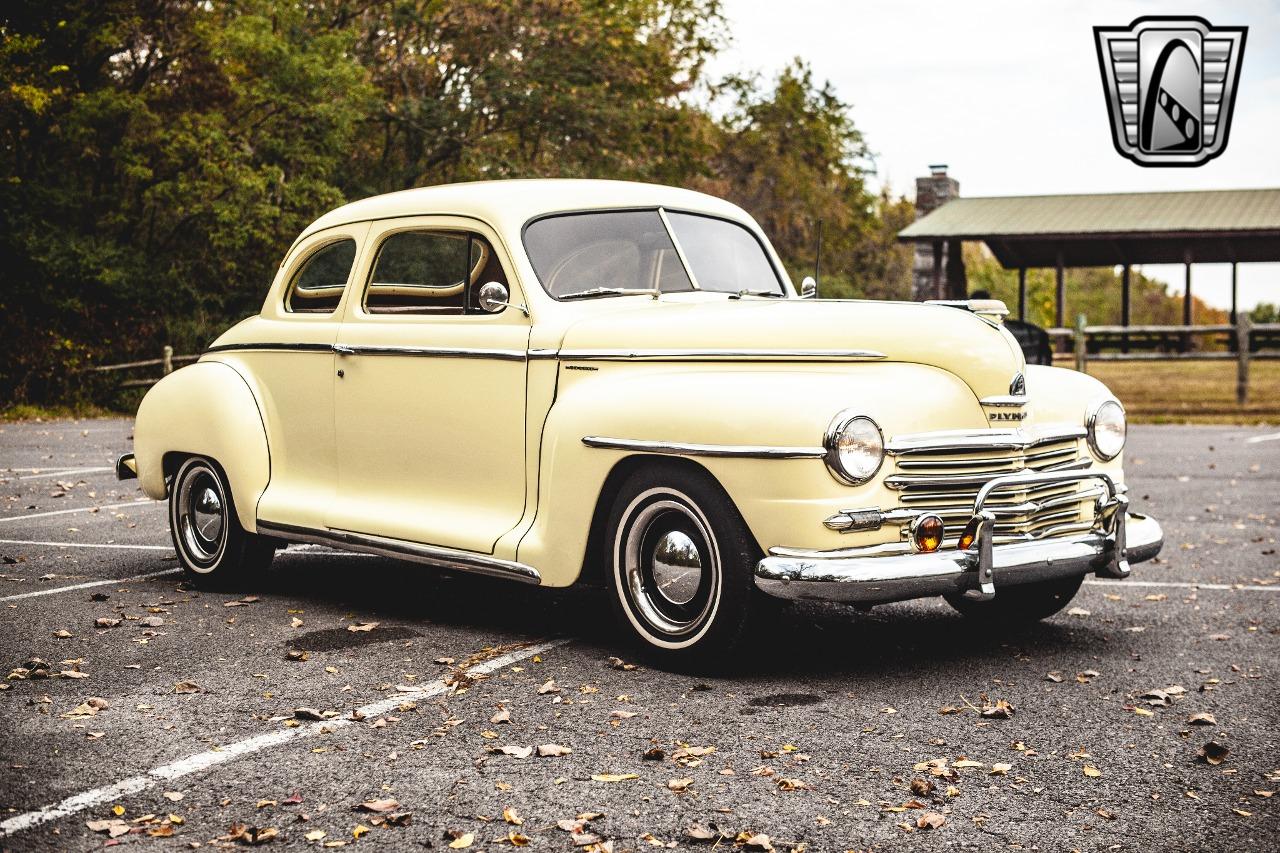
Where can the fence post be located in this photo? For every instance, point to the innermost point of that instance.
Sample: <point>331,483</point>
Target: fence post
<point>167,360</point>
<point>1081,322</point>
<point>1242,357</point>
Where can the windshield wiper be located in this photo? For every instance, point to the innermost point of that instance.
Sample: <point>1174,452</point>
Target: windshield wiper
<point>604,291</point>
<point>773,294</point>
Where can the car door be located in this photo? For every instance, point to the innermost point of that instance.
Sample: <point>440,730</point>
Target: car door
<point>430,399</point>
<point>291,361</point>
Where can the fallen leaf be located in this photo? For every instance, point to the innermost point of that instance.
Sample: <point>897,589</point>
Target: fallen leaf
<point>378,806</point>
<point>550,750</point>
<point>653,753</point>
<point>1202,718</point>
<point>363,627</point>
<point>619,663</point>
<point>792,785</point>
<point>296,655</point>
<point>462,841</point>
<point>186,687</point>
<point>1078,611</point>
<point>514,751</point>
<point>63,634</point>
<point>361,829</point>
<point>679,785</point>
<point>510,816</point>
<point>1214,753</point>
<point>614,777</point>
<point>502,716</point>
<point>930,820</point>
<point>549,687</point>
<point>105,622</point>
<point>295,622</point>
<point>173,796</point>
<point>922,787</point>
<point>307,714</point>
<point>114,828</point>
<point>1055,677</point>
<point>1000,769</point>
<point>1001,710</point>
<point>315,835</point>
<point>1091,771</point>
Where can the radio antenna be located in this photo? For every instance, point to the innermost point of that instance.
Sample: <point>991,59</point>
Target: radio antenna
<point>817,256</point>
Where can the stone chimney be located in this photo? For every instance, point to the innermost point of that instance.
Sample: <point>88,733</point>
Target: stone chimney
<point>933,192</point>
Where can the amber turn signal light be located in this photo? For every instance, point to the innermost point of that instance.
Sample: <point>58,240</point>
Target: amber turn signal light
<point>927,533</point>
<point>969,536</point>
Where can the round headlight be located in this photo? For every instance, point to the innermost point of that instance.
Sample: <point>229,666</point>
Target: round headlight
<point>855,448</point>
<point>1107,429</point>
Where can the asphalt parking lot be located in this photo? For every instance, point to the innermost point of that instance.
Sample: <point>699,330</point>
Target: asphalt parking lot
<point>348,700</point>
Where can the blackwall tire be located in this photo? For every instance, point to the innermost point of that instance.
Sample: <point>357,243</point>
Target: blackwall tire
<point>681,566</point>
<point>1021,604</point>
<point>212,547</point>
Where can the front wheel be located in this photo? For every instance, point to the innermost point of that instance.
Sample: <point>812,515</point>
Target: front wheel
<point>212,547</point>
<point>682,565</point>
<point>1023,603</point>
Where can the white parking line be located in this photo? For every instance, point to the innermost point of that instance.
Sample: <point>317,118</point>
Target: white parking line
<point>54,590</point>
<point>108,545</point>
<point>1178,585</point>
<point>204,760</point>
<point>1258,439</point>
<point>65,473</point>
<point>136,502</point>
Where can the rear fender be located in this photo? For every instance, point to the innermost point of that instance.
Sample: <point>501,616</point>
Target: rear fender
<point>206,409</point>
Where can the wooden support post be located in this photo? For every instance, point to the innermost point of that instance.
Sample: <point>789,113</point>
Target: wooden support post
<point>1060,302</point>
<point>1242,359</point>
<point>166,360</point>
<point>1022,294</point>
<point>1235,294</point>
<point>1081,364</point>
<point>1125,302</point>
<point>1186,303</point>
<point>937,270</point>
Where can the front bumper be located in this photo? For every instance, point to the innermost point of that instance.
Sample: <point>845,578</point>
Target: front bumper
<point>1118,539</point>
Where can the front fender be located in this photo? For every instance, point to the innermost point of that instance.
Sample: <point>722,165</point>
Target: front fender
<point>206,409</point>
<point>783,501</point>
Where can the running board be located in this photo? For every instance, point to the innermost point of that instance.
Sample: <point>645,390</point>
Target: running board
<point>431,555</point>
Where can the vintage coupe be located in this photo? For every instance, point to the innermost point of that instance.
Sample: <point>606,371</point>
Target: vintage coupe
<point>571,381</point>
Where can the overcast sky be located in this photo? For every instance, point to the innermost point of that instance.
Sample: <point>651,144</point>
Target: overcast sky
<point>1008,94</point>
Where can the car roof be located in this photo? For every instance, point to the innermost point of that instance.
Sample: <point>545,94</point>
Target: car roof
<point>508,205</point>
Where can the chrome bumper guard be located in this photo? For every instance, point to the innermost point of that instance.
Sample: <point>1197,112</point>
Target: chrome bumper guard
<point>1117,539</point>
<point>126,467</point>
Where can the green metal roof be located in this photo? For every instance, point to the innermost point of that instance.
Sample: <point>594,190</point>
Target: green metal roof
<point>1215,225</point>
<point>1111,213</point>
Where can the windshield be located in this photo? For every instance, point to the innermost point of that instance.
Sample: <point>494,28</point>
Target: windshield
<point>583,255</point>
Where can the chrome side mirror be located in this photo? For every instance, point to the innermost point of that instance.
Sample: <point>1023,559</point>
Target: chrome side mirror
<point>493,297</point>
<point>808,288</point>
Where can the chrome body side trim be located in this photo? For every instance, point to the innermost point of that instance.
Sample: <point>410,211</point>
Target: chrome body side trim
<point>676,448</point>
<point>269,346</point>
<point>693,354</point>
<point>126,467</point>
<point>431,555</point>
<point>1004,401</point>
<point>437,352</point>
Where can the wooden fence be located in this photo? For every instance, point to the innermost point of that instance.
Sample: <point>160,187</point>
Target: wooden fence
<point>1242,345</point>
<point>165,362</point>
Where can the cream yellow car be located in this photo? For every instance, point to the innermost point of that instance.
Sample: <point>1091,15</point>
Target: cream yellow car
<point>559,382</point>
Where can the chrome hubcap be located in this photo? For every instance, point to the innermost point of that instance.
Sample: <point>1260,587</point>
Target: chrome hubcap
<point>677,568</point>
<point>669,569</point>
<point>201,516</point>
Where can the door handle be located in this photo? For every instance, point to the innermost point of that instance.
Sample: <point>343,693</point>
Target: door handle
<point>343,349</point>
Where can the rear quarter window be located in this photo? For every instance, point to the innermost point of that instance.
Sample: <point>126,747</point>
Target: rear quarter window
<point>318,284</point>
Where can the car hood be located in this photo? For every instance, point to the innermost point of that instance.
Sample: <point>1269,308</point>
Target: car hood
<point>984,356</point>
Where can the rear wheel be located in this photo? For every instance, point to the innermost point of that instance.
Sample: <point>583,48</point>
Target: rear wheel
<point>682,565</point>
<point>212,547</point>
<point>1023,603</point>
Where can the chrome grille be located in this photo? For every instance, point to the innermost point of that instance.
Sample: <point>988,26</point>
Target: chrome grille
<point>943,472</point>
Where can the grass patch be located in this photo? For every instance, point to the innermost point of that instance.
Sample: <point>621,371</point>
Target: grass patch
<point>1195,392</point>
<point>30,412</point>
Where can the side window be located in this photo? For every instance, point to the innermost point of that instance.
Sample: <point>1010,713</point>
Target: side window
<point>317,286</point>
<point>431,272</point>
